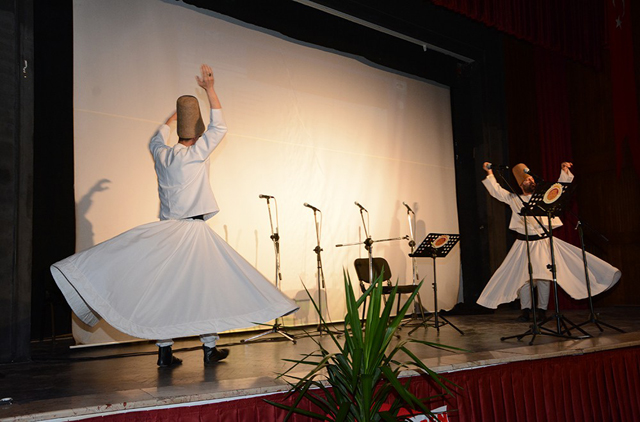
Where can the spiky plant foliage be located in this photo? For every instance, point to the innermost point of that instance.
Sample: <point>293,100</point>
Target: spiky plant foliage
<point>364,371</point>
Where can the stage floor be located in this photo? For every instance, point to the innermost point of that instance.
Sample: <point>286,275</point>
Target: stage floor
<point>63,383</point>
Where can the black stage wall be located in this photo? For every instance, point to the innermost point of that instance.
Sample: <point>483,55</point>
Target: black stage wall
<point>16,176</point>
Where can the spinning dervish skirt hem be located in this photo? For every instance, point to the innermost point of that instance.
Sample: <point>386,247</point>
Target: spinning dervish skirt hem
<point>513,273</point>
<point>168,279</point>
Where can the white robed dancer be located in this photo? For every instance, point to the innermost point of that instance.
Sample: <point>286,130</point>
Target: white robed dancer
<point>175,277</point>
<point>511,279</point>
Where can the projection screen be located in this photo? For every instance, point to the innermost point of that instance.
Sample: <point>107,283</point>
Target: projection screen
<point>306,125</point>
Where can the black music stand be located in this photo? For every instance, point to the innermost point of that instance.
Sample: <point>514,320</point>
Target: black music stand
<point>436,245</point>
<point>548,199</point>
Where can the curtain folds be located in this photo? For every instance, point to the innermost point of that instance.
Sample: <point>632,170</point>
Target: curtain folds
<point>555,142</point>
<point>574,28</point>
<point>596,387</point>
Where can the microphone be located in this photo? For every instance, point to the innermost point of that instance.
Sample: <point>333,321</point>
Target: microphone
<point>497,167</point>
<point>361,207</point>
<point>311,206</point>
<point>408,208</point>
<point>532,174</point>
<point>265,196</point>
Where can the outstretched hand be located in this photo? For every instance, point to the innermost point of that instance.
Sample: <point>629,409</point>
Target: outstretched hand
<point>485,167</point>
<point>566,166</point>
<point>206,81</point>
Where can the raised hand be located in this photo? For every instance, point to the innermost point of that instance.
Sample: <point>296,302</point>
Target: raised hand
<point>565,166</point>
<point>206,81</point>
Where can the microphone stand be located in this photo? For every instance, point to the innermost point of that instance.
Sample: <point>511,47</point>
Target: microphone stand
<point>417,306</point>
<point>320,272</point>
<point>593,318</point>
<point>368,242</point>
<point>277,328</point>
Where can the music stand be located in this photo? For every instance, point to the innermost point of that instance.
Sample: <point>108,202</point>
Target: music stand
<point>436,245</point>
<point>548,199</point>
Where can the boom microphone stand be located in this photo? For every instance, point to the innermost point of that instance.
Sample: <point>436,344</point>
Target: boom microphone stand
<point>368,242</point>
<point>277,328</point>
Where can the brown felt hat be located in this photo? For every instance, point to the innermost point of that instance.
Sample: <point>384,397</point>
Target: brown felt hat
<point>190,124</point>
<point>519,174</point>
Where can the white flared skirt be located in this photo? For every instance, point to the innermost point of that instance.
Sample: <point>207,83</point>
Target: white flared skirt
<point>513,273</point>
<point>168,279</point>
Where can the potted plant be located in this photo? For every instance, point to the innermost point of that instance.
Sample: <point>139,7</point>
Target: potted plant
<point>354,383</point>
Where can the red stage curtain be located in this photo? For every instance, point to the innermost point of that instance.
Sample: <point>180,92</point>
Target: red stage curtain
<point>578,29</point>
<point>597,387</point>
<point>623,83</point>
<point>574,28</point>
<point>555,142</point>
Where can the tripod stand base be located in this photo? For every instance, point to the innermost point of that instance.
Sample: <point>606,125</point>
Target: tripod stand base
<point>419,315</point>
<point>416,320</point>
<point>325,329</point>
<point>562,325</point>
<point>274,330</point>
<point>595,319</point>
<point>437,323</point>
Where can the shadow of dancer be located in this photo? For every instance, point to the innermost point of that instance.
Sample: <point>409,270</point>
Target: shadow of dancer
<point>84,228</point>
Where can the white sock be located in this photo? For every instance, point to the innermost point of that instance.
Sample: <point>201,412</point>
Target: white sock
<point>209,340</point>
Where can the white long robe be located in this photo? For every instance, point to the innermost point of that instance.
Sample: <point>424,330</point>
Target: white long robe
<point>513,273</point>
<point>174,277</point>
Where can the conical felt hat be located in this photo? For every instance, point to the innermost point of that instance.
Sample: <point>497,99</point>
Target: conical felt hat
<point>190,124</point>
<point>519,174</point>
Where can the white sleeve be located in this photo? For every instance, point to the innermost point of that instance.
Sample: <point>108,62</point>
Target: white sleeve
<point>159,139</point>
<point>497,191</point>
<point>211,138</point>
<point>565,177</point>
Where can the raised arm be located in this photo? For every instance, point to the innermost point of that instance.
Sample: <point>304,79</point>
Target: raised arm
<point>494,188</point>
<point>565,172</point>
<point>158,141</point>
<point>206,82</point>
<point>172,118</point>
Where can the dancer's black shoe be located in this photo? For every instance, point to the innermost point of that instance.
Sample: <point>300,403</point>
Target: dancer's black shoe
<point>524,316</point>
<point>213,355</point>
<point>166,358</point>
<point>541,314</point>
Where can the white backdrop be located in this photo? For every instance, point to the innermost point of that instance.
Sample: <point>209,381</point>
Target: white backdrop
<point>305,125</point>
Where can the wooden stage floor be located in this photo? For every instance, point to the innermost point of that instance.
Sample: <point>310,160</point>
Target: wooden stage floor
<point>63,384</point>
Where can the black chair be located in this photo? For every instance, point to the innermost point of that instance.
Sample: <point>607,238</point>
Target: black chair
<point>380,266</point>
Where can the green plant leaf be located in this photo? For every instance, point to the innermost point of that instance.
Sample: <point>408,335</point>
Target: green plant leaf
<point>431,373</point>
<point>364,371</point>
<point>299,411</point>
<point>409,398</point>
